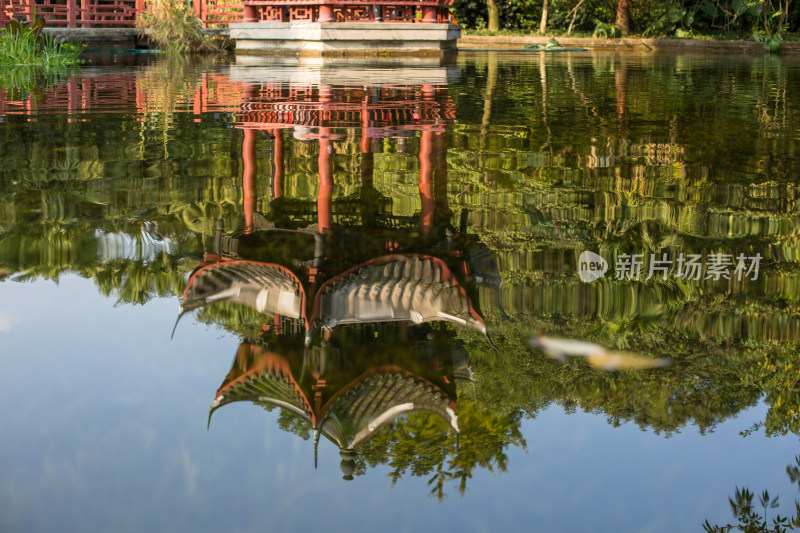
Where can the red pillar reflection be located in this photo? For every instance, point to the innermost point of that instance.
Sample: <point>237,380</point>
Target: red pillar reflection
<point>73,100</point>
<point>277,158</point>
<point>440,170</point>
<point>367,158</point>
<point>249,178</point>
<point>325,162</point>
<point>426,184</point>
<point>365,140</point>
<point>325,195</point>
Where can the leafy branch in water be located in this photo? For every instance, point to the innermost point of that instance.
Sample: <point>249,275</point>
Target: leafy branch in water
<point>752,521</point>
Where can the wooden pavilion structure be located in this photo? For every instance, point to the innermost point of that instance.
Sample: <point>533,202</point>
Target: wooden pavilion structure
<point>109,13</point>
<point>122,13</point>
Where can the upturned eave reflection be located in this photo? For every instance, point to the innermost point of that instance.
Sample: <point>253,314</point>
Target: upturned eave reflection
<point>350,386</point>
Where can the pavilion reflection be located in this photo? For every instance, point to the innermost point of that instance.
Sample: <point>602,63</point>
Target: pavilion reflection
<point>350,259</point>
<point>356,299</point>
<point>348,387</point>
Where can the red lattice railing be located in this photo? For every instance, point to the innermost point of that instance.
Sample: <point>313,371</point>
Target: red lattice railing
<point>119,13</point>
<point>346,11</point>
<point>218,12</point>
<point>261,106</point>
<point>73,13</point>
<point>140,94</point>
<point>279,105</point>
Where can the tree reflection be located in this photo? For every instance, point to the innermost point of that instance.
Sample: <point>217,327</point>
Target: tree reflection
<point>749,519</point>
<point>500,180</point>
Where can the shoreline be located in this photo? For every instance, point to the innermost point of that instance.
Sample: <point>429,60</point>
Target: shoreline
<point>624,43</point>
<point>123,38</point>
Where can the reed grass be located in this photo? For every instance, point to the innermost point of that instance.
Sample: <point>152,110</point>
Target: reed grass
<point>26,44</point>
<point>173,27</point>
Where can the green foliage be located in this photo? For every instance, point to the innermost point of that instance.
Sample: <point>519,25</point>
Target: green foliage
<point>31,60</point>
<point>750,520</point>
<point>525,15</point>
<point>535,201</point>
<point>24,43</point>
<point>606,31</point>
<point>172,25</point>
<point>773,42</point>
<point>421,445</point>
<point>651,18</point>
<point>668,19</point>
<point>24,80</point>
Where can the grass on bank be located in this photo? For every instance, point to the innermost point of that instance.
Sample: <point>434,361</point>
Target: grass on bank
<point>25,44</point>
<point>31,60</point>
<point>731,36</point>
<point>772,42</point>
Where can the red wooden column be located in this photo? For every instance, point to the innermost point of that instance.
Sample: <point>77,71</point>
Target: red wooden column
<point>249,186</point>
<point>250,13</point>
<point>87,14</point>
<point>325,13</point>
<point>277,160</point>
<point>429,14</point>
<point>72,13</point>
<point>200,9</point>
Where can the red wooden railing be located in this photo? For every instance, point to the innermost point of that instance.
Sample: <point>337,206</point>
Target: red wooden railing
<point>117,13</point>
<point>218,12</point>
<point>346,10</point>
<point>73,13</point>
<point>260,106</point>
<point>122,13</point>
<point>213,93</point>
<point>391,107</point>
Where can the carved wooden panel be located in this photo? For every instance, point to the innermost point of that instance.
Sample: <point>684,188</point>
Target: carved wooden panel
<point>272,14</point>
<point>54,12</point>
<point>353,13</point>
<point>398,13</point>
<point>303,13</point>
<point>107,13</point>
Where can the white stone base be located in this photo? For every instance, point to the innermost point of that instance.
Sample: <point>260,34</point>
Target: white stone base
<point>344,38</point>
<point>344,71</point>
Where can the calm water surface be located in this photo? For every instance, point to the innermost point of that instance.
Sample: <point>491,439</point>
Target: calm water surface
<point>387,278</point>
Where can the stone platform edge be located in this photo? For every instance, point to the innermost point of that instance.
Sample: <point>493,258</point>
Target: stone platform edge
<point>111,38</point>
<point>339,39</point>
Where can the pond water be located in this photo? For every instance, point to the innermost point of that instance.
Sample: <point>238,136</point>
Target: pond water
<point>511,290</point>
